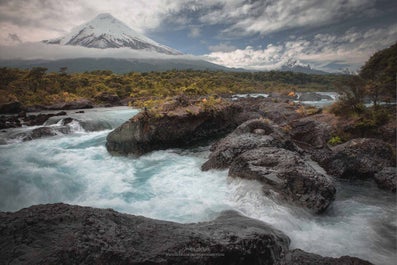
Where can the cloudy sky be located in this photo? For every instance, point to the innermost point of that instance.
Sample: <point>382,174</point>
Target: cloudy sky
<point>261,35</point>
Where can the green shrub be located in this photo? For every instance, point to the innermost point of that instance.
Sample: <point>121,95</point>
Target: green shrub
<point>335,140</point>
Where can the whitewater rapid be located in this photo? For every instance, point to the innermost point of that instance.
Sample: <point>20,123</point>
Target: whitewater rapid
<point>76,168</point>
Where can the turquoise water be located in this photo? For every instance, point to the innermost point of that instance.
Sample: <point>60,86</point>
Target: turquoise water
<point>76,168</point>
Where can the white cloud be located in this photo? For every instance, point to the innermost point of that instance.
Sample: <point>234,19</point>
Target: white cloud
<point>269,16</point>
<point>34,51</point>
<point>34,20</point>
<point>352,48</point>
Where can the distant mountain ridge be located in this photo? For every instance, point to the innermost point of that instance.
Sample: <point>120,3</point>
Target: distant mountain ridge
<point>105,31</point>
<point>117,65</point>
<point>294,66</point>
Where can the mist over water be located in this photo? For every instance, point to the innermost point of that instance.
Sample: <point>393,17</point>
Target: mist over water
<point>76,168</point>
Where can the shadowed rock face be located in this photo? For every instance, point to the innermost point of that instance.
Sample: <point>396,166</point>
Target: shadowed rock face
<point>387,179</point>
<point>359,158</point>
<point>65,234</point>
<point>249,135</point>
<point>144,133</point>
<point>287,174</point>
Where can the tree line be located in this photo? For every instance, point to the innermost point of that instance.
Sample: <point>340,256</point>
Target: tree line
<point>36,86</point>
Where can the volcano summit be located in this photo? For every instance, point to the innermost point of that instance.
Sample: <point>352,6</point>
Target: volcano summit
<point>105,31</point>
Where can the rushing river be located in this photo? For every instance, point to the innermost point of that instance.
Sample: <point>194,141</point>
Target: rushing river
<point>76,168</point>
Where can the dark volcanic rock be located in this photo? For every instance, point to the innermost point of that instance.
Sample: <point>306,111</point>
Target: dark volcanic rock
<point>109,98</point>
<point>249,135</point>
<point>64,234</point>
<point>77,104</point>
<point>308,131</point>
<point>11,107</point>
<point>387,178</point>
<point>144,133</point>
<point>359,158</point>
<point>9,122</point>
<point>280,112</point>
<point>299,257</point>
<point>40,119</point>
<point>287,174</point>
<point>42,132</point>
<point>311,96</point>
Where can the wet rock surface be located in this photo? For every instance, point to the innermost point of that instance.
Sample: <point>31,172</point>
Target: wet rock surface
<point>387,179</point>
<point>286,173</point>
<point>40,119</point>
<point>67,234</point>
<point>359,158</point>
<point>64,234</point>
<point>249,135</point>
<point>144,133</point>
<point>310,132</point>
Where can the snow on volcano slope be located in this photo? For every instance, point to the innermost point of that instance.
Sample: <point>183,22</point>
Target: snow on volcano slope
<point>105,31</point>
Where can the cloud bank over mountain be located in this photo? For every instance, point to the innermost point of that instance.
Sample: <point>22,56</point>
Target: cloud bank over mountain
<point>251,34</point>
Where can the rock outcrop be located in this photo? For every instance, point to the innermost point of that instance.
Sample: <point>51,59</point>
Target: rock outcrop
<point>108,99</point>
<point>77,104</point>
<point>359,158</point>
<point>311,96</point>
<point>286,173</point>
<point>9,122</point>
<point>249,135</point>
<point>13,107</point>
<point>280,112</point>
<point>308,132</point>
<point>66,234</point>
<point>185,126</point>
<point>40,119</point>
<point>387,179</point>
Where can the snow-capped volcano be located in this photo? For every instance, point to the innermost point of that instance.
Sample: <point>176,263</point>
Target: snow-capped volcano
<point>105,31</point>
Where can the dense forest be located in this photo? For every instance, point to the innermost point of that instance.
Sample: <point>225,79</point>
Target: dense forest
<point>37,87</point>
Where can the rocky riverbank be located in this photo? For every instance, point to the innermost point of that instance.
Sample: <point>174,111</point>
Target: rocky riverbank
<point>275,145</point>
<point>66,234</point>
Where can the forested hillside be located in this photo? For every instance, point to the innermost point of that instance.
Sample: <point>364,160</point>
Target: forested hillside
<point>37,87</point>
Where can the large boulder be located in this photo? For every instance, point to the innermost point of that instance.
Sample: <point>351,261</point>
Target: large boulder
<point>286,173</point>
<point>359,158</point>
<point>182,127</point>
<point>387,179</point>
<point>65,234</point>
<point>249,135</point>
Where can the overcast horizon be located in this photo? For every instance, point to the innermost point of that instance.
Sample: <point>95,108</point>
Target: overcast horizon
<point>259,35</point>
